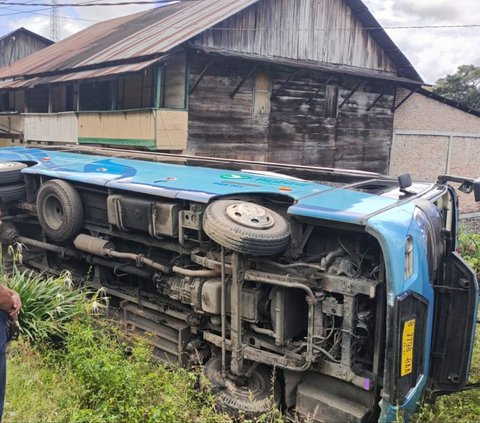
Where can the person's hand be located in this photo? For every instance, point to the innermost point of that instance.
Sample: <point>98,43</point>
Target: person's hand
<point>17,305</point>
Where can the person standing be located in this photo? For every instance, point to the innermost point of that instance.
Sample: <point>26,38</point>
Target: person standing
<point>10,305</point>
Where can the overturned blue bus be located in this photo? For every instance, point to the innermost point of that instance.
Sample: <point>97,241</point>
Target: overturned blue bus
<point>345,285</point>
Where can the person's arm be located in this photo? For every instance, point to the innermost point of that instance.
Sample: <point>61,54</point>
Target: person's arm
<point>7,302</point>
<point>17,304</point>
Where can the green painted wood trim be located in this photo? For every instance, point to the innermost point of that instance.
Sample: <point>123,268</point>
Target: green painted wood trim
<point>158,87</point>
<point>118,141</point>
<point>186,100</point>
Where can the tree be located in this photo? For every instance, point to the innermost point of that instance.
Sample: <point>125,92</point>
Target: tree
<point>463,86</point>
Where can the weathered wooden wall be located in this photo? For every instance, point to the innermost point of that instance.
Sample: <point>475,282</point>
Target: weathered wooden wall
<point>320,30</point>
<point>218,125</point>
<point>13,49</point>
<point>295,128</point>
<point>174,84</point>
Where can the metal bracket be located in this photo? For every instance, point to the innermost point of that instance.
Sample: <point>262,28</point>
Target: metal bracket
<point>312,97</point>
<point>238,269</point>
<point>288,80</point>
<point>200,77</point>
<point>237,88</point>
<point>349,96</point>
<point>376,101</point>
<point>403,101</point>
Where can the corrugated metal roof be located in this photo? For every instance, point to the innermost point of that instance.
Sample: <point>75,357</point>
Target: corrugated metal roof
<point>310,64</point>
<point>75,76</point>
<point>20,83</point>
<point>154,32</point>
<point>98,73</point>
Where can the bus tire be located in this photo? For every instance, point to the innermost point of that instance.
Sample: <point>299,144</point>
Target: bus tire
<point>9,193</point>
<point>246,227</point>
<point>10,172</point>
<point>260,393</point>
<point>60,210</point>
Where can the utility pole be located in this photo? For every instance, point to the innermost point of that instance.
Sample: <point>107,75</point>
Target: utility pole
<point>54,22</point>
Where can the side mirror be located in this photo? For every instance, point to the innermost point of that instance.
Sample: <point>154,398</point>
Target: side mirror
<point>405,181</point>
<point>476,189</point>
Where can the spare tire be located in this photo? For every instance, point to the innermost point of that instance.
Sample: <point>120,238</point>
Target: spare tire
<point>10,172</point>
<point>246,227</point>
<point>9,193</point>
<point>60,210</point>
<point>259,394</point>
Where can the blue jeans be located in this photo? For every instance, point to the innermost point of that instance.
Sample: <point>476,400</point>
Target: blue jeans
<point>3,362</point>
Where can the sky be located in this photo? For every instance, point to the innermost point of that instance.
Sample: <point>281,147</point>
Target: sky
<point>433,52</point>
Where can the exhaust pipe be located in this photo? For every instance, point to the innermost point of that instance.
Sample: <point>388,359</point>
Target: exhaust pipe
<point>103,248</point>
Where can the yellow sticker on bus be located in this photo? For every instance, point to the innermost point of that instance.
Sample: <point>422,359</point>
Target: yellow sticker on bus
<point>408,337</point>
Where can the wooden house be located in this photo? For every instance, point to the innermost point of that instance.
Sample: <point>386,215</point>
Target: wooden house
<point>19,44</point>
<point>298,81</point>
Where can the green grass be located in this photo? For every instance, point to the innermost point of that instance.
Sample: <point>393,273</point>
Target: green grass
<point>97,377</point>
<point>35,391</point>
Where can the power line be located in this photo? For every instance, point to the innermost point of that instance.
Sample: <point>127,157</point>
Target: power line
<point>87,4</point>
<point>92,3</point>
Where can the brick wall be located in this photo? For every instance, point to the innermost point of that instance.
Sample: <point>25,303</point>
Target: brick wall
<point>423,113</point>
<point>432,138</point>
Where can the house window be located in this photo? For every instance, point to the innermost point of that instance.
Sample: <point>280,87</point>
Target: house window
<point>96,96</point>
<point>331,101</point>
<point>5,102</point>
<point>37,100</point>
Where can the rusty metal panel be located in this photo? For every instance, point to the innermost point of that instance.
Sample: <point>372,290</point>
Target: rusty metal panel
<point>152,32</point>
<point>327,31</point>
<point>75,76</point>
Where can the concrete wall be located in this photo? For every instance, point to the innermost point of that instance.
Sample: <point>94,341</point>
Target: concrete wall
<point>431,138</point>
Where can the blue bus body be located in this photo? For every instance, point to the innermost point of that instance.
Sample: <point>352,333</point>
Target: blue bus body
<point>408,230</point>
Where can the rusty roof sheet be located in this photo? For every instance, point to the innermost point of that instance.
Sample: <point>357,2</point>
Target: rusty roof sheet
<point>75,76</point>
<point>98,73</point>
<point>152,32</point>
<point>17,83</point>
<point>312,64</point>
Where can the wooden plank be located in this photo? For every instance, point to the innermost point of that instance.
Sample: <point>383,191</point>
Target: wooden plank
<point>171,129</point>
<point>117,125</point>
<point>300,29</point>
<point>55,127</point>
<point>175,82</point>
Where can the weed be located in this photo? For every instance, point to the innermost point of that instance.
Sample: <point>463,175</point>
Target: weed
<point>48,304</point>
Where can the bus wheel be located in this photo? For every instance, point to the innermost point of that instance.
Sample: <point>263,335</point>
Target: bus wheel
<point>59,210</point>
<point>259,393</point>
<point>10,172</point>
<point>246,227</point>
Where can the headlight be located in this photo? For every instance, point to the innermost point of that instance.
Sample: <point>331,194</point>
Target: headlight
<point>408,257</point>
